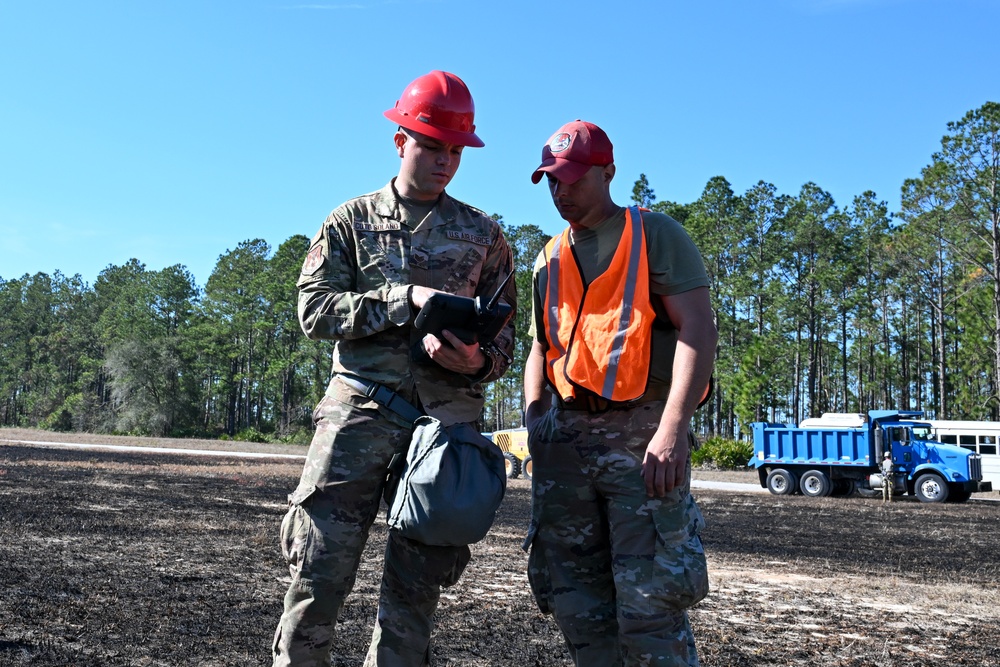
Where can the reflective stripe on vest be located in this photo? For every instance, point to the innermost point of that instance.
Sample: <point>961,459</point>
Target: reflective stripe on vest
<point>599,336</point>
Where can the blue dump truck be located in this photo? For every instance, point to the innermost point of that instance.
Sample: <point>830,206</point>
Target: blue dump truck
<point>839,454</point>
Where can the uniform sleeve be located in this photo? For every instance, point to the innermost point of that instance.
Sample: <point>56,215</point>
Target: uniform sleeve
<point>499,264</point>
<point>329,306</point>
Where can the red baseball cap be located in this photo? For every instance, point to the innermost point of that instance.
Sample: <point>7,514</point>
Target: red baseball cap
<point>572,150</point>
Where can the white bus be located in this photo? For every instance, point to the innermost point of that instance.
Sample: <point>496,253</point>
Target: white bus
<point>980,437</point>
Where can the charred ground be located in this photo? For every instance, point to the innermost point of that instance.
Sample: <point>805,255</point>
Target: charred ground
<point>122,559</point>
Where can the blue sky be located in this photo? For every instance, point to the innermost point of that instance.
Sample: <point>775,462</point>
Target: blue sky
<point>172,131</point>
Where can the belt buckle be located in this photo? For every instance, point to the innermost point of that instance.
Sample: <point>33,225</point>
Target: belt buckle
<point>372,390</point>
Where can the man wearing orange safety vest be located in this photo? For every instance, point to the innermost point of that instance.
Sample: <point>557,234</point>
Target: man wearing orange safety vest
<point>624,341</point>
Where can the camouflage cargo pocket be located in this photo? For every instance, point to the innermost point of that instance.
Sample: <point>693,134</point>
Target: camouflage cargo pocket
<point>297,531</point>
<point>681,570</point>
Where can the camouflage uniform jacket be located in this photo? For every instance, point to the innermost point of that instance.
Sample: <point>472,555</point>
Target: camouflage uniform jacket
<point>355,284</point>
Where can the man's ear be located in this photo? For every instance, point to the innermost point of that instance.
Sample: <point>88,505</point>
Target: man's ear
<point>399,139</point>
<point>609,172</point>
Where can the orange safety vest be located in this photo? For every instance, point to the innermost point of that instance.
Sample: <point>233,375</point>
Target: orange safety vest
<point>599,335</point>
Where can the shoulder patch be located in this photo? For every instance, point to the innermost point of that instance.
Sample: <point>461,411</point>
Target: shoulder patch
<point>314,260</point>
<point>469,238</point>
<point>365,226</point>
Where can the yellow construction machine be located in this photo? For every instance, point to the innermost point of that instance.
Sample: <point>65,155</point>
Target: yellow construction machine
<point>514,443</point>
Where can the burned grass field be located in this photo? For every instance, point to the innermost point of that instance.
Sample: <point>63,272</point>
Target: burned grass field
<point>139,559</point>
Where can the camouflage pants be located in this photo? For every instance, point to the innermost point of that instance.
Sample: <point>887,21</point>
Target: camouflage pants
<point>616,568</point>
<point>324,533</point>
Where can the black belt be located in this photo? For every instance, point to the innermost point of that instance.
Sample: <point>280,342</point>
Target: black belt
<point>595,403</point>
<point>382,395</point>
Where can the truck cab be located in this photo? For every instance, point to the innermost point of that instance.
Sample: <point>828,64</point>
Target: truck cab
<point>933,471</point>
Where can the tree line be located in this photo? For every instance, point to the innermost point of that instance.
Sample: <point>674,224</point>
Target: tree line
<point>819,308</point>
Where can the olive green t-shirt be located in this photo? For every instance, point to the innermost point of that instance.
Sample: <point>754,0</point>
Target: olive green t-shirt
<point>675,266</point>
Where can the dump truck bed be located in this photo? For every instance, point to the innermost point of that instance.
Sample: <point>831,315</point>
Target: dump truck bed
<point>781,443</point>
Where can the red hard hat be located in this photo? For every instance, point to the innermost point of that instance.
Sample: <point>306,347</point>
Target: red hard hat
<point>439,105</point>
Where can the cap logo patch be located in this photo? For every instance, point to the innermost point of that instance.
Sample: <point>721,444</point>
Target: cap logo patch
<point>560,142</point>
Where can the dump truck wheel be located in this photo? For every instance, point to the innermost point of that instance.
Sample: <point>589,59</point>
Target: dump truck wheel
<point>815,484</point>
<point>842,488</point>
<point>781,482</point>
<point>930,488</point>
<point>526,467</point>
<point>511,465</point>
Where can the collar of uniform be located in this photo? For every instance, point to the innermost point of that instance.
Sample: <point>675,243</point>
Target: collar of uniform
<point>447,210</point>
<point>388,206</point>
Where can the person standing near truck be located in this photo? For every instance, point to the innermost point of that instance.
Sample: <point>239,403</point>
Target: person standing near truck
<point>371,267</point>
<point>887,477</point>
<point>624,337</point>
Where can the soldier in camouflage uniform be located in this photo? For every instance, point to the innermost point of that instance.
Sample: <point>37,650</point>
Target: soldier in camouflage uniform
<point>615,553</point>
<point>370,268</point>
<point>887,477</point>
